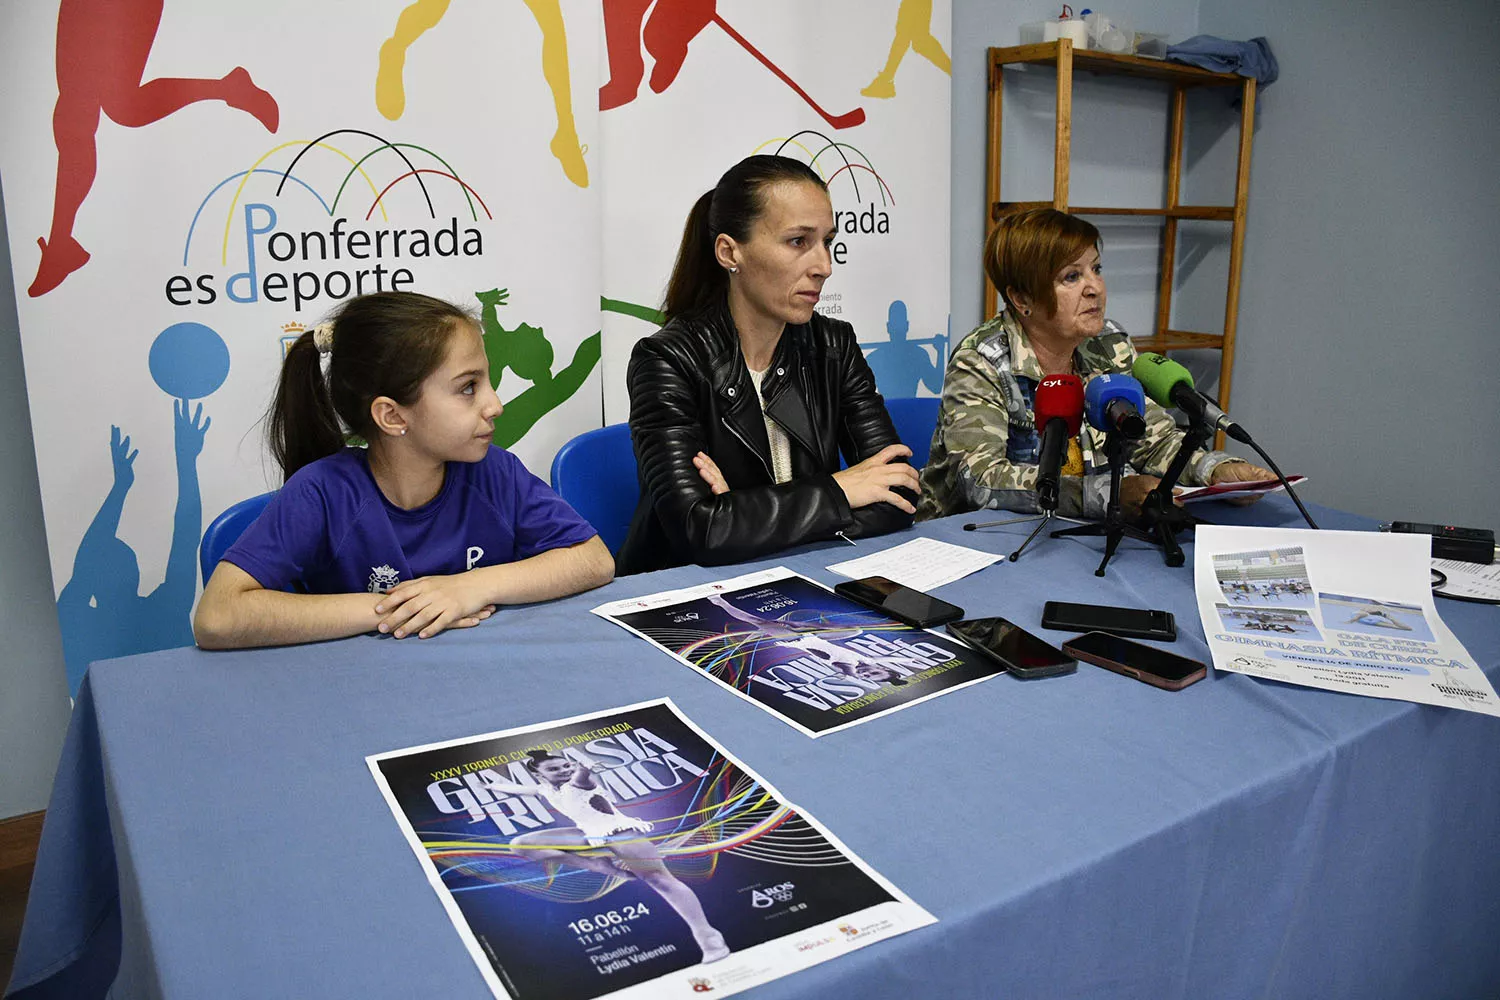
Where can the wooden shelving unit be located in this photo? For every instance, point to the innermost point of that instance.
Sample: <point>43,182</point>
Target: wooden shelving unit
<point>1067,60</point>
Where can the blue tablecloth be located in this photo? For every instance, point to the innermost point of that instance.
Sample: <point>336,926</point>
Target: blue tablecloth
<point>214,832</point>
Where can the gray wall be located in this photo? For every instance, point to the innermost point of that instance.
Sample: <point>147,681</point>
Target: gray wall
<point>33,686</point>
<point>1368,316</point>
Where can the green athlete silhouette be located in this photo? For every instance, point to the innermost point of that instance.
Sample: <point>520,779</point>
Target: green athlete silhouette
<point>526,351</point>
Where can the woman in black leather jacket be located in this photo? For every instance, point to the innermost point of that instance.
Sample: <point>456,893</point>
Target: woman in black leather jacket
<point>741,404</point>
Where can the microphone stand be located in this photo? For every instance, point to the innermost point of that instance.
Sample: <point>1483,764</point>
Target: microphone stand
<point>1043,519</point>
<point>1114,526</point>
<point>1158,513</point>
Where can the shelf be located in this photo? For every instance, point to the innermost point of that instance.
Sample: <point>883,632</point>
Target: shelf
<point>1211,213</point>
<point>1179,340</point>
<point>1114,63</point>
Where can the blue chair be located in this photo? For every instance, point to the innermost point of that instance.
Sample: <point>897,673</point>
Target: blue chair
<point>226,530</point>
<point>915,418</point>
<point>595,472</point>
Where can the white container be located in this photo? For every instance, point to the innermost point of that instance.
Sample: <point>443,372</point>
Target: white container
<point>1034,33</point>
<point>1075,30</point>
<point>1108,34</point>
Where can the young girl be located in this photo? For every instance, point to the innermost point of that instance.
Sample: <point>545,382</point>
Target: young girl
<point>430,528</point>
<point>571,790</point>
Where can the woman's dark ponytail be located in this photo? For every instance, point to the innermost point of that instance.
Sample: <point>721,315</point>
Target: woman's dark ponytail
<point>697,279</point>
<point>732,207</point>
<point>385,344</point>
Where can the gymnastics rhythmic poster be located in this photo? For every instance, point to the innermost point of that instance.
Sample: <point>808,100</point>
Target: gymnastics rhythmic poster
<point>813,659</point>
<point>626,854</point>
<point>1345,611</point>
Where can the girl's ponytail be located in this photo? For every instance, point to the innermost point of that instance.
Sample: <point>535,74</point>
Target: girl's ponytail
<point>301,426</point>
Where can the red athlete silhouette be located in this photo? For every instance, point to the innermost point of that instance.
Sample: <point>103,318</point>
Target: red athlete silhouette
<point>669,29</point>
<point>102,47</point>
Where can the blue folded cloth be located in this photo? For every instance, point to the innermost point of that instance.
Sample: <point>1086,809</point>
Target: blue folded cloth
<point>1222,55</point>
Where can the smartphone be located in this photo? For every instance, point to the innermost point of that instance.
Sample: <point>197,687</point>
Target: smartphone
<point>1147,664</point>
<point>1136,623</point>
<point>1022,653</point>
<point>902,603</point>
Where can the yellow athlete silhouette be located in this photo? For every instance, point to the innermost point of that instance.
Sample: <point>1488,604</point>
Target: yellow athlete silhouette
<point>415,20</point>
<point>913,31</point>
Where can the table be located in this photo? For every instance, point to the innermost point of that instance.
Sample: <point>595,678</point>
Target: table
<point>213,830</point>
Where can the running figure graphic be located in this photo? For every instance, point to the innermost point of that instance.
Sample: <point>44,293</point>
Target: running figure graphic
<point>102,48</point>
<point>420,17</point>
<point>570,789</point>
<point>914,32</point>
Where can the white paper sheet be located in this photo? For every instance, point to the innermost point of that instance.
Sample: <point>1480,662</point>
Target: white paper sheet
<point>1466,579</point>
<point>921,564</point>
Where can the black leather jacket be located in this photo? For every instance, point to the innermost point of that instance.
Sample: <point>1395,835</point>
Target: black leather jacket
<point>690,391</point>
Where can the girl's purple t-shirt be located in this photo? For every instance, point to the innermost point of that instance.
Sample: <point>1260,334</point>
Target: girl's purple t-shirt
<point>330,530</point>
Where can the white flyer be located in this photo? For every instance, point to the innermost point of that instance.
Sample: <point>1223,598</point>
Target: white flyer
<point>1345,611</point>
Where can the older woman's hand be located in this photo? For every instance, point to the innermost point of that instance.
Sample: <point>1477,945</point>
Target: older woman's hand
<point>1133,490</point>
<point>1240,472</point>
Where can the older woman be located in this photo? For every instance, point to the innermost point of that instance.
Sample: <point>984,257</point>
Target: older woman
<point>741,405</point>
<point>984,453</point>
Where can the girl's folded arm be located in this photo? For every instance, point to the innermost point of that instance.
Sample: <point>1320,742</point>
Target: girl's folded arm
<point>237,612</point>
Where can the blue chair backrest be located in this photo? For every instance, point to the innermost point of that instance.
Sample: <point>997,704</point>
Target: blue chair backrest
<point>915,418</point>
<point>226,530</point>
<point>595,472</point>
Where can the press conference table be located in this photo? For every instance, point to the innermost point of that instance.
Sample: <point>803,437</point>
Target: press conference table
<point>214,831</point>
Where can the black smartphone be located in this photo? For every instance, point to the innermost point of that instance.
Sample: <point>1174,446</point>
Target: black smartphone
<point>1022,653</point>
<point>902,603</point>
<point>1147,664</point>
<point>1136,623</point>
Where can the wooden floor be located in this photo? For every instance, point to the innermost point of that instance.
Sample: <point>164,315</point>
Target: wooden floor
<point>18,839</point>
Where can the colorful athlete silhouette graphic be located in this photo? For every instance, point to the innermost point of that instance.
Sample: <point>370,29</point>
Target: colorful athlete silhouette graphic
<point>102,48</point>
<point>900,365</point>
<point>417,19</point>
<point>527,352</point>
<point>913,31</point>
<point>100,611</point>
<point>666,34</point>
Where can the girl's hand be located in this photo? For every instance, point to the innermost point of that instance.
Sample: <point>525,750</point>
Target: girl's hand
<point>717,484</point>
<point>874,480</point>
<point>430,604</point>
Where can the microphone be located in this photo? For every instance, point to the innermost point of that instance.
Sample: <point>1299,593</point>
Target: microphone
<point>1115,403</point>
<point>1170,384</point>
<point>1059,414</point>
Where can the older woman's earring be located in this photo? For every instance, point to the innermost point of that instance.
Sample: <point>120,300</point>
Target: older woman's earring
<point>734,270</point>
<point>1025,312</point>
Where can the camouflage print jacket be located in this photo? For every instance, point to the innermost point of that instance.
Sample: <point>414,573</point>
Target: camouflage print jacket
<point>984,451</point>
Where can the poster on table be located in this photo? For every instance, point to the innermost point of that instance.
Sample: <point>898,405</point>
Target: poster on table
<point>815,660</point>
<point>627,854</point>
<point>859,89</point>
<point>1345,611</point>
<point>190,186</point>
